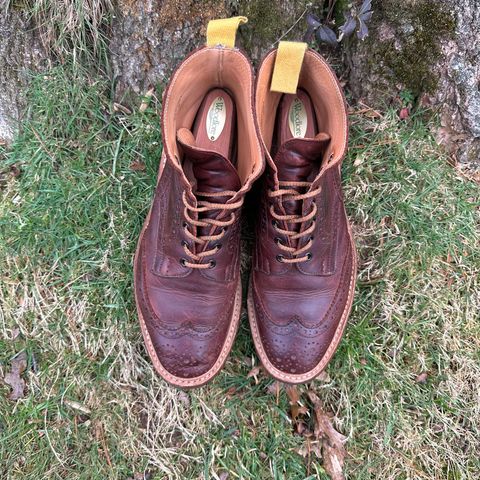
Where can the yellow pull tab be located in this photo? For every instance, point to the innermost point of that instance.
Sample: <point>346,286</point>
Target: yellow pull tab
<point>223,31</point>
<point>288,64</point>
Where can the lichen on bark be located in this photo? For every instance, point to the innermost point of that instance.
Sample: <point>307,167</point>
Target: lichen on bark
<point>404,44</point>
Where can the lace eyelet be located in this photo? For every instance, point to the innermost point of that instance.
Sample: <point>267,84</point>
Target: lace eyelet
<point>218,246</point>
<point>184,243</point>
<point>183,262</point>
<point>309,256</point>
<point>310,238</point>
<point>184,224</point>
<point>212,264</point>
<point>274,223</point>
<point>280,258</point>
<point>278,240</point>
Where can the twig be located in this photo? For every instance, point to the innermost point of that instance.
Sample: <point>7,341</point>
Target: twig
<point>42,143</point>
<point>291,28</point>
<point>331,7</point>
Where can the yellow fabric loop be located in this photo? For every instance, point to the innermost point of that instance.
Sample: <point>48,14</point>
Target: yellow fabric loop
<point>223,31</point>
<point>288,64</point>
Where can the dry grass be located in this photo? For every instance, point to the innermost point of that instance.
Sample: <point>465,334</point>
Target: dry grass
<point>72,29</point>
<point>94,408</point>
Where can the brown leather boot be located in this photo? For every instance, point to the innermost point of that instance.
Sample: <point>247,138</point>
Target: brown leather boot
<point>304,263</point>
<point>187,264</point>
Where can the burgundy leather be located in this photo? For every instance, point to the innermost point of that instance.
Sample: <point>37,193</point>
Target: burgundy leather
<point>187,311</point>
<point>299,308</point>
<point>189,315</point>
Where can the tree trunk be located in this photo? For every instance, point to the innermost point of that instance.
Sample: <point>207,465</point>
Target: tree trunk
<point>20,53</point>
<point>149,38</point>
<point>424,49</point>
<point>430,49</point>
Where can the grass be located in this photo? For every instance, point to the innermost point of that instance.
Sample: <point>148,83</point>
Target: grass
<point>70,213</point>
<point>71,30</point>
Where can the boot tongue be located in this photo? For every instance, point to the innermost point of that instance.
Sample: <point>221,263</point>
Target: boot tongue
<point>299,160</point>
<point>209,171</point>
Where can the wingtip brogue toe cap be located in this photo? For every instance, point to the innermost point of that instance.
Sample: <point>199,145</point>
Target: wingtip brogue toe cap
<point>187,356</point>
<point>295,347</point>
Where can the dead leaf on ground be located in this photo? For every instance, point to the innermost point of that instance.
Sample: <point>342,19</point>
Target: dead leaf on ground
<point>310,447</point>
<point>224,476</point>
<point>184,398</point>
<point>274,389</point>
<point>15,169</point>
<point>404,113</point>
<point>100,436</point>
<point>254,372</point>
<point>323,377</point>
<point>332,442</point>
<point>292,394</point>
<point>14,379</point>
<point>230,393</point>
<point>77,406</point>
<point>118,107</point>
<point>146,99</point>
<point>15,333</point>
<point>137,166</point>
<point>422,377</point>
<point>141,476</point>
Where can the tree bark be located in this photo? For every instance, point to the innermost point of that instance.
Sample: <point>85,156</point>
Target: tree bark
<point>430,49</point>
<point>425,49</point>
<point>20,54</point>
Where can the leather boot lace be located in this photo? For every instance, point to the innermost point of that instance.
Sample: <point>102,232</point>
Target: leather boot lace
<point>195,259</point>
<point>291,191</point>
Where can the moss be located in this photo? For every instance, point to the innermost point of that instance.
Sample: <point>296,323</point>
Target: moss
<point>268,20</point>
<point>412,64</point>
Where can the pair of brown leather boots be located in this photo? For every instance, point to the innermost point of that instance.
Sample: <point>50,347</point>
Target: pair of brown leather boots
<point>221,131</point>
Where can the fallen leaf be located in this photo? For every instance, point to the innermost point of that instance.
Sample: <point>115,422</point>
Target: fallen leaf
<point>274,388</point>
<point>310,447</point>
<point>404,113</point>
<point>146,99</point>
<point>118,107</point>
<point>301,428</point>
<point>78,406</point>
<point>15,333</point>
<point>358,161</point>
<point>223,476</point>
<point>137,166</point>
<point>297,410</point>
<point>14,379</point>
<point>323,377</point>
<point>422,377</point>
<point>292,394</point>
<point>254,373</point>
<point>184,398</point>
<point>230,392</point>
<point>100,436</point>
<point>141,476</point>
<point>332,442</point>
<point>16,172</point>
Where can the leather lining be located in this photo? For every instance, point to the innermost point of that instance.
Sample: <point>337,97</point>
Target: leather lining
<point>205,69</point>
<point>317,79</point>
